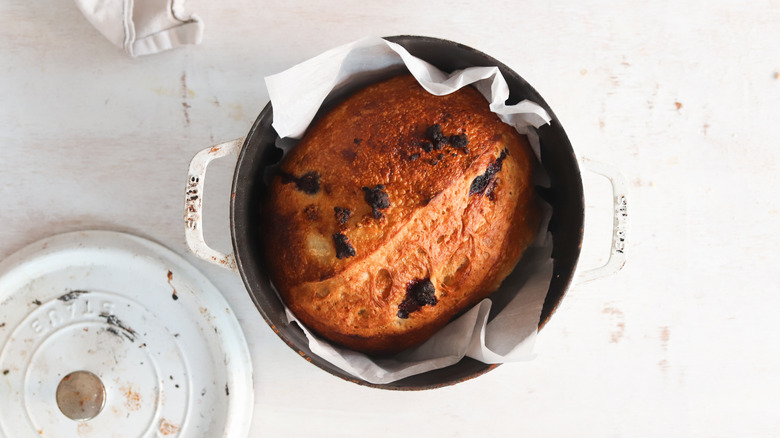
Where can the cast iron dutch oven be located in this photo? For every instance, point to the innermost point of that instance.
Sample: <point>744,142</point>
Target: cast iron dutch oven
<point>258,152</point>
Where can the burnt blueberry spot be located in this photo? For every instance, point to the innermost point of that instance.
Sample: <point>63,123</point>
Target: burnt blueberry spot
<point>357,140</point>
<point>342,214</point>
<point>434,162</point>
<point>427,146</point>
<point>490,191</point>
<point>436,136</point>
<point>418,293</point>
<point>481,183</point>
<point>312,212</point>
<point>309,183</point>
<point>459,141</point>
<point>424,292</point>
<point>434,133</point>
<point>343,248</point>
<point>377,199</point>
<point>414,156</point>
<point>440,156</point>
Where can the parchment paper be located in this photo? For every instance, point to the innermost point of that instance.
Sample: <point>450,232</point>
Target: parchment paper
<point>297,94</point>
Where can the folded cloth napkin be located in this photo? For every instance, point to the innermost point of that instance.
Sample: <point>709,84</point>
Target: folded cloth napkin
<point>143,27</point>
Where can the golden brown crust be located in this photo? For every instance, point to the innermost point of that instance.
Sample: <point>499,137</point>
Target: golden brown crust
<point>345,273</point>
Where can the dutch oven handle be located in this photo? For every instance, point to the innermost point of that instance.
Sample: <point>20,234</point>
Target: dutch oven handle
<point>617,254</point>
<point>193,229</point>
<point>193,203</point>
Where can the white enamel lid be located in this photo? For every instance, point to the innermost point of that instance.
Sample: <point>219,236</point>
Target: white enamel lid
<point>111,324</point>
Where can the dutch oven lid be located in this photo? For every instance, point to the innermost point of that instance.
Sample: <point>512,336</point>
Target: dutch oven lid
<point>107,334</point>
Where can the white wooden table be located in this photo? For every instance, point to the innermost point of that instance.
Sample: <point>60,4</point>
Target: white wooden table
<point>682,96</point>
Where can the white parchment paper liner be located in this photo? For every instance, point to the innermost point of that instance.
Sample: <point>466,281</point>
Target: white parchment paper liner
<point>297,94</point>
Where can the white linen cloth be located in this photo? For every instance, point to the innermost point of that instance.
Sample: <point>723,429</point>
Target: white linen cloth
<point>143,27</point>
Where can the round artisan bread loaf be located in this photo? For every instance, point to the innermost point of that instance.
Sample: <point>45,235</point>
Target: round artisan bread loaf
<point>397,210</point>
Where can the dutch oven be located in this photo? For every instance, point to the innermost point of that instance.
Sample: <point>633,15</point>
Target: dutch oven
<point>257,151</point>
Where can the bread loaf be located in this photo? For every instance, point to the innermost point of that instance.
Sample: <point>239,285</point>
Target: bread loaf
<point>397,210</point>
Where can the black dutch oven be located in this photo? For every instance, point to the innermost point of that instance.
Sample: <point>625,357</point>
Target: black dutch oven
<point>258,151</point>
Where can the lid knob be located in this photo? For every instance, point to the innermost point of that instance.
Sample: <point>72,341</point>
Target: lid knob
<point>81,395</point>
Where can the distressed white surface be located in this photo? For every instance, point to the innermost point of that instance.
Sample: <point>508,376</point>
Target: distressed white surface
<point>683,342</point>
